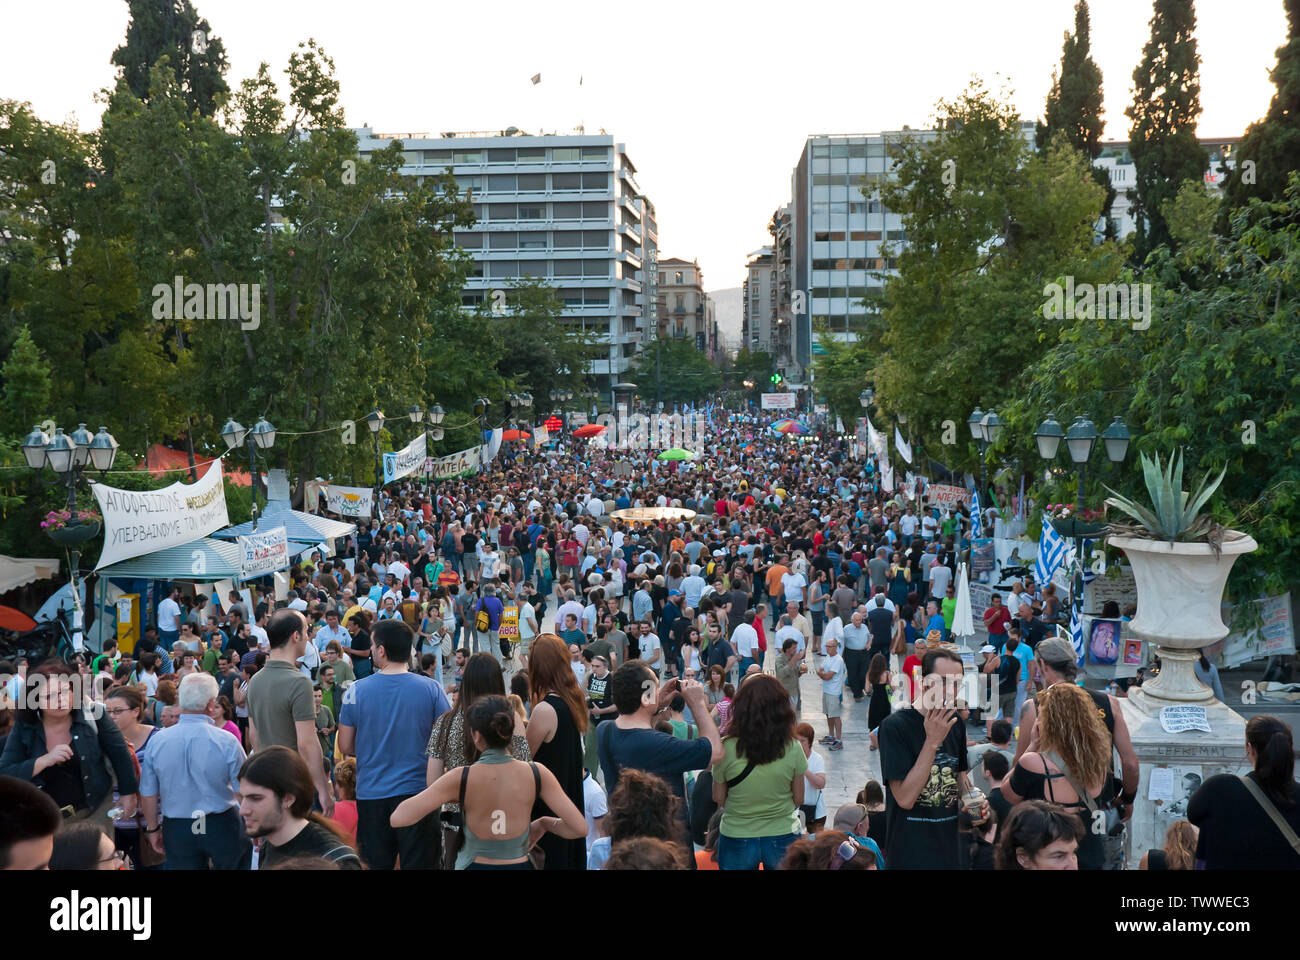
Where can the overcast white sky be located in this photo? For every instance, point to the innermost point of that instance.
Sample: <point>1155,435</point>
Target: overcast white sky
<point>712,98</point>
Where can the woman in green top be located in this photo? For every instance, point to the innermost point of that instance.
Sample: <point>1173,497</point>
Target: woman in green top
<point>760,780</point>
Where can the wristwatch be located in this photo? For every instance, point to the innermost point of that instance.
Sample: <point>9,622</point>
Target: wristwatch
<point>153,829</point>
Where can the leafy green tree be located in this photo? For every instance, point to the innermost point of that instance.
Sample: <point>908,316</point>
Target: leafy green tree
<point>675,371</point>
<point>26,386</point>
<point>1075,103</point>
<point>537,344</point>
<point>963,319</point>
<point>1165,109</point>
<point>1270,150</point>
<point>172,30</point>
<point>841,372</point>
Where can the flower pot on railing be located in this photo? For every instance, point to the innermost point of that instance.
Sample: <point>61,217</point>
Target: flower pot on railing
<point>72,534</point>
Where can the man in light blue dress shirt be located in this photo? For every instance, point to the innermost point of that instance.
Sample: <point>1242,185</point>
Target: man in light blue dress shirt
<point>191,770</point>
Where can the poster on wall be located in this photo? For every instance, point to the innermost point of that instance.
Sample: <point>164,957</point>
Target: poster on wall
<point>981,558</point>
<point>1268,630</point>
<point>1103,642</point>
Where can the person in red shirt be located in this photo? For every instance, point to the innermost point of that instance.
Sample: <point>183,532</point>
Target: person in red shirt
<point>570,555</point>
<point>912,665</point>
<point>996,618</point>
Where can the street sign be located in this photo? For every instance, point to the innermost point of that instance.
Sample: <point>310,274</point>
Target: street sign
<point>778,401</point>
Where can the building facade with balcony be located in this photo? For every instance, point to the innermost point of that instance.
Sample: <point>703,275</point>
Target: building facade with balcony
<point>685,311</point>
<point>758,301</point>
<point>1116,160</point>
<point>565,209</point>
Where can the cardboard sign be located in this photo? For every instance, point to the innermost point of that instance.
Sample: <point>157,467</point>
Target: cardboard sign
<point>262,553</point>
<point>946,495</point>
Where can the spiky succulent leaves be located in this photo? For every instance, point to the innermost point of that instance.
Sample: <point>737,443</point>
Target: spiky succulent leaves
<point>1202,494</point>
<point>1173,515</point>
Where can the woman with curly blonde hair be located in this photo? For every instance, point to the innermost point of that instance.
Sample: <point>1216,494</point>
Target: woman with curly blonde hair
<point>1069,750</point>
<point>1178,851</point>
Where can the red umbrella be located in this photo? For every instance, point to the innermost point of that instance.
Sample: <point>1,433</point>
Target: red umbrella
<point>11,619</point>
<point>510,435</point>
<point>589,430</point>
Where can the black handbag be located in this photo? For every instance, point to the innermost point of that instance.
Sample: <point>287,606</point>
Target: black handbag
<point>452,823</point>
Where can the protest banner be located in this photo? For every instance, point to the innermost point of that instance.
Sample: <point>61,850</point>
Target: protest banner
<point>406,461</point>
<point>349,501</point>
<point>262,553</point>
<point>946,495</point>
<point>778,401</point>
<point>137,522</point>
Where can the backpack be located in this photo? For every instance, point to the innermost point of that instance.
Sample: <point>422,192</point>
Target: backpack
<point>482,622</point>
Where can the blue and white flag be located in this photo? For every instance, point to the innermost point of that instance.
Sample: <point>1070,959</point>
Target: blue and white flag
<point>976,521</point>
<point>1076,633</point>
<point>1052,549</point>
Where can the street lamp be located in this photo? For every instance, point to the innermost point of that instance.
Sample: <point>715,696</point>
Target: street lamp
<point>68,457</point>
<point>375,421</point>
<point>865,397</point>
<point>415,413</point>
<point>984,428</point>
<point>261,437</point>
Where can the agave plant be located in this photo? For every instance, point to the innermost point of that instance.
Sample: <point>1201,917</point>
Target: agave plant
<point>1174,514</point>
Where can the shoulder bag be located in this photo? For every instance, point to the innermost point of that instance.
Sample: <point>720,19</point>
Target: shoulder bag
<point>1279,821</point>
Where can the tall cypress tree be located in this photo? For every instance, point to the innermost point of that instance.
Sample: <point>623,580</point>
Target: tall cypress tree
<point>1166,105</point>
<point>1075,103</point>
<point>173,29</point>
<point>1271,147</point>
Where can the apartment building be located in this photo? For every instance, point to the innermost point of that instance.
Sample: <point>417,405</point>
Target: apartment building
<point>1118,162</point>
<point>562,208</point>
<point>685,311</point>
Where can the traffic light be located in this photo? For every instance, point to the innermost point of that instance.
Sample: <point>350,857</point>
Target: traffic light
<point>777,378</point>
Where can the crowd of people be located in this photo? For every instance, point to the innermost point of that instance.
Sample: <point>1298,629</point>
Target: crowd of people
<point>409,704</point>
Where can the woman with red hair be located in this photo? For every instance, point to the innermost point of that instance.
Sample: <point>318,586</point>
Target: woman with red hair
<point>555,729</point>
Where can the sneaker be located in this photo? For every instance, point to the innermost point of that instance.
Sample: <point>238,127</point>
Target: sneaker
<point>837,745</point>
<point>825,740</point>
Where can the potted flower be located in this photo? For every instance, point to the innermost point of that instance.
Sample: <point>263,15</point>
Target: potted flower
<point>72,526</point>
<point>1180,559</point>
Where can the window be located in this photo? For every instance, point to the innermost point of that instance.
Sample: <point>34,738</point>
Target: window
<point>571,298</point>
<point>532,211</point>
<point>471,298</point>
<point>821,151</point>
<point>565,154</point>
<point>663,277</point>
<point>599,268</point>
<point>595,181</point>
<point>470,241</point>
<point>532,241</point>
<point>566,181</point>
<point>566,268</point>
<point>875,149</point>
<point>500,183</point>
<point>532,182</point>
<point>467,156</point>
<point>503,241</point>
<point>567,211</point>
<point>467,181</point>
<point>595,240</point>
<point>567,239</point>
<point>821,209</point>
<point>595,153</point>
<point>480,212</point>
<point>839,151</point>
<point>477,269</point>
<point>595,211</point>
<point>857,235</point>
<point>437,156</point>
<point>412,156</point>
<point>595,298</point>
<point>895,236</point>
<point>827,179</point>
<point>681,302</point>
<point>532,268</point>
<point>497,269</point>
<point>501,156</point>
<point>531,155</point>
<point>840,264</point>
<point>501,211</point>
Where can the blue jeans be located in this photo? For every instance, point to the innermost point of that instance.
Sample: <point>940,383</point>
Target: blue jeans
<point>744,664</point>
<point>218,838</point>
<point>735,853</point>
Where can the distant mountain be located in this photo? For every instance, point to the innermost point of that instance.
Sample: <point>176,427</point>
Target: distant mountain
<point>730,312</point>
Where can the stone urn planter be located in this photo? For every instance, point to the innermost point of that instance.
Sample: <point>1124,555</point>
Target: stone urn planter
<point>1180,589</point>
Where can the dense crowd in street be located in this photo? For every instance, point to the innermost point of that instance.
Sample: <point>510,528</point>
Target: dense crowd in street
<point>502,674</point>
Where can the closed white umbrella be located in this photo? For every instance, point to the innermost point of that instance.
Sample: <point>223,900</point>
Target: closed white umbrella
<point>963,624</point>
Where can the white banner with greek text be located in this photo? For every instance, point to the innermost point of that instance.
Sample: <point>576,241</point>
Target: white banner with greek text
<point>263,552</point>
<point>137,522</point>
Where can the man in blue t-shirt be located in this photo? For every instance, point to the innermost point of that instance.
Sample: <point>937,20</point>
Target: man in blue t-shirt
<point>631,741</point>
<point>385,723</point>
<point>1016,647</point>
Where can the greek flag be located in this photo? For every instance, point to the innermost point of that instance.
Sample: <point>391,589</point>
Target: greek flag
<point>976,521</point>
<point>1076,633</point>
<point>1052,549</point>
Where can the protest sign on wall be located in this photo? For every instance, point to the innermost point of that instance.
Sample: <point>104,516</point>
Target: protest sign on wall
<point>137,522</point>
<point>263,552</point>
<point>1271,634</point>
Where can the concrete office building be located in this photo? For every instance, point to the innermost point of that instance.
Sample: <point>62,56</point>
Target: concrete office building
<point>562,208</point>
<point>685,310</point>
<point>758,301</point>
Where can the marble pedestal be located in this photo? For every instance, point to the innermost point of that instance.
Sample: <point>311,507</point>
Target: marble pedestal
<point>1223,750</point>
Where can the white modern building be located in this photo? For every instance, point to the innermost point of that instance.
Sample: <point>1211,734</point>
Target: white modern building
<point>1118,162</point>
<point>562,208</point>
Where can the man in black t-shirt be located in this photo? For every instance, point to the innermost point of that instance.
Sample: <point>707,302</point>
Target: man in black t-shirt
<point>275,798</point>
<point>923,761</point>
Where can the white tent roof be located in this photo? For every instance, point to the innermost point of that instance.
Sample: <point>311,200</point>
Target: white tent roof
<point>20,571</point>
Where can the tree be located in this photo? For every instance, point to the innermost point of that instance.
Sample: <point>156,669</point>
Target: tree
<point>537,345</point>
<point>26,386</point>
<point>756,366</point>
<point>964,318</point>
<point>841,372</point>
<point>1075,102</point>
<point>1270,150</point>
<point>674,370</point>
<point>1166,106</point>
<point>171,30</point>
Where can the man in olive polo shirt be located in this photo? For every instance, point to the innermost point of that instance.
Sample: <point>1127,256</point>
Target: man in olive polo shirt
<point>281,707</point>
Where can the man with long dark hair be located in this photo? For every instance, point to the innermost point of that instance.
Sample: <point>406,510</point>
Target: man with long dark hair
<point>275,794</point>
